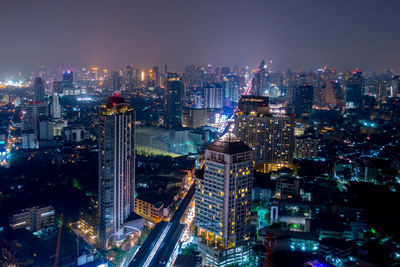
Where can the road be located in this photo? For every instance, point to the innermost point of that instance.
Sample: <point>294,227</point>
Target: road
<point>129,256</point>
<point>228,125</point>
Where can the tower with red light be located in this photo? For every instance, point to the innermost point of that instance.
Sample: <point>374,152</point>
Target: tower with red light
<point>116,168</point>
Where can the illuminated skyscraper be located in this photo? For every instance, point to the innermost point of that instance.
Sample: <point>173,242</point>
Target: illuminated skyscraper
<point>38,89</point>
<point>271,135</point>
<point>116,168</point>
<point>223,201</point>
<point>173,101</point>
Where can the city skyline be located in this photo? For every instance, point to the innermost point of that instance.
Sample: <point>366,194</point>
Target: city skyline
<point>199,133</point>
<point>295,35</point>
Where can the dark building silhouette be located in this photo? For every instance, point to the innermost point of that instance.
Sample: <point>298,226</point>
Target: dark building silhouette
<point>249,103</point>
<point>173,101</point>
<point>259,82</point>
<point>68,81</point>
<point>129,82</point>
<point>303,100</point>
<point>116,81</point>
<point>354,90</point>
<point>57,87</point>
<point>38,89</point>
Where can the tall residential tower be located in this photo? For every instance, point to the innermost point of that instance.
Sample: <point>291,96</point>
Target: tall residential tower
<point>116,168</point>
<point>223,201</point>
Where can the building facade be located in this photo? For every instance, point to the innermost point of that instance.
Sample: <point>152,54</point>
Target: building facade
<point>116,167</point>
<point>55,107</point>
<point>149,208</point>
<point>213,96</point>
<point>33,219</point>
<point>270,135</point>
<point>194,118</point>
<point>34,111</point>
<point>223,197</point>
<point>306,147</point>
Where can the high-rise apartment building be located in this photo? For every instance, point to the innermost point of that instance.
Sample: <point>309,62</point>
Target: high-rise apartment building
<point>173,101</point>
<point>223,201</point>
<point>116,168</point>
<point>271,135</point>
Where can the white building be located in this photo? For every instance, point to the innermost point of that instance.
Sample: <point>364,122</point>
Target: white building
<point>55,107</point>
<point>213,96</point>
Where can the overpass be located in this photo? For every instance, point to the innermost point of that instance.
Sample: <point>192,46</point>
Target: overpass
<point>162,245</point>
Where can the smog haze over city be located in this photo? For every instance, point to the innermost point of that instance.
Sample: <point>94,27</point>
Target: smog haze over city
<point>186,133</point>
<point>295,34</point>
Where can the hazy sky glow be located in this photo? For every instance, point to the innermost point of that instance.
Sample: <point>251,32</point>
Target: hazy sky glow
<point>296,34</point>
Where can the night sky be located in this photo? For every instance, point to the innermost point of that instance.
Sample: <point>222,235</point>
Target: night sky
<point>296,34</point>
